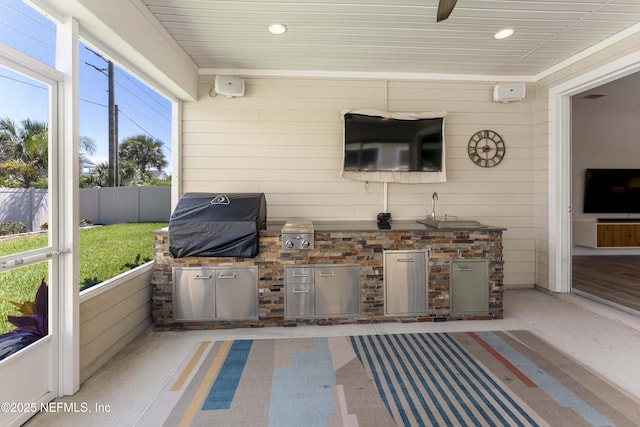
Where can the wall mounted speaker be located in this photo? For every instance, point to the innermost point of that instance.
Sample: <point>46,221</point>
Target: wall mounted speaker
<point>507,92</point>
<point>229,86</point>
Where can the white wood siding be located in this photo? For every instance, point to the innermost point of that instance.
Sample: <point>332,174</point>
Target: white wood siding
<point>112,315</point>
<point>284,138</point>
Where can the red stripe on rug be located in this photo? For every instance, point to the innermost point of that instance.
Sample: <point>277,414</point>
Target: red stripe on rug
<point>517,372</point>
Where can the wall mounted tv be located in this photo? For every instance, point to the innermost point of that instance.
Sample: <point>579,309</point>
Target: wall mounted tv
<point>612,191</point>
<point>393,147</point>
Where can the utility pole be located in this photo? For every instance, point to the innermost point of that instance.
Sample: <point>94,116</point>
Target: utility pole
<point>114,175</point>
<point>114,166</point>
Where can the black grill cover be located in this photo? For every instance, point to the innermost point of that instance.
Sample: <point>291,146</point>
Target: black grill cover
<point>217,225</point>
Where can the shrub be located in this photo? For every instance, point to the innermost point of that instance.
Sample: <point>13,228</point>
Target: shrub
<point>10,227</point>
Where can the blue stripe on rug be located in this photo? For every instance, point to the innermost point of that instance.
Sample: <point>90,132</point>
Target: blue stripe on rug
<point>546,382</point>
<point>224,388</point>
<point>416,373</point>
<point>409,347</point>
<point>302,394</point>
<point>488,384</point>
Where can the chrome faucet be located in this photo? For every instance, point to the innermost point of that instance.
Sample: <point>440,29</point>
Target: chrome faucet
<point>434,197</point>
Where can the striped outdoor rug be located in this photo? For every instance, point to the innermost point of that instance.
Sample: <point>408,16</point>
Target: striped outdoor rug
<point>437,379</point>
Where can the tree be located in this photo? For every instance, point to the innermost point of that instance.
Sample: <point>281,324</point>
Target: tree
<point>99,176</point>
<point>24,153</point>
<point>145,152</point>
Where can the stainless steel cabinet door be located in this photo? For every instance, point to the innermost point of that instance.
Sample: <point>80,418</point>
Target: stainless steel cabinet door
<point>469,288</point>
<point>337,290</point>
<point>237,293</point>
<point>405,282</point>
<point>194,295</point>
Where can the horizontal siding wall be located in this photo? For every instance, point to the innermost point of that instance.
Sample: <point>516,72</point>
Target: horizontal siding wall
<point>284,138</point>
<point>112,315</point>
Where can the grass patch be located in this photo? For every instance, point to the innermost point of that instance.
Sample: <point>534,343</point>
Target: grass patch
<point>105,252</point>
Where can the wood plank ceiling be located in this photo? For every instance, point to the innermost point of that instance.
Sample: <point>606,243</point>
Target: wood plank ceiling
<point>391,36</point>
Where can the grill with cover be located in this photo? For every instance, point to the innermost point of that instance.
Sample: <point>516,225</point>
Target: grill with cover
<point>217,225</point>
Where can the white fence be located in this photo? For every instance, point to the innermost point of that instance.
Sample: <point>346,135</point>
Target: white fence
<point>111,205</point>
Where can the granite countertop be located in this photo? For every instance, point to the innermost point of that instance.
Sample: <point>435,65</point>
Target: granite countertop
<point>362,225</point>
<point>403,225</point>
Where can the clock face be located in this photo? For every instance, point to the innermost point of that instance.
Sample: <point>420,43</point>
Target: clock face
<point>486,148</point>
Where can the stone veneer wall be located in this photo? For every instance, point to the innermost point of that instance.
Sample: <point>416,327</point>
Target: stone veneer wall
<point>363,248</point>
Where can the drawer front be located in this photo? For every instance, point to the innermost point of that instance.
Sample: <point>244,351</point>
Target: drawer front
<point>299,300</point>
<point>298,274</point>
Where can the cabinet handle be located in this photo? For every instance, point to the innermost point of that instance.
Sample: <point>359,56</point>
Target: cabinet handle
<point>406,260</point>
<point>465,268</point>
<point>227,276</point>
<point>197,276</point>
<point>301,292</point>
<point>329,274</point>
<point>300,275</point>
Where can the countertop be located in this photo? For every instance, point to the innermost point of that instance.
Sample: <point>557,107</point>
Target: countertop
<point>403,225</point>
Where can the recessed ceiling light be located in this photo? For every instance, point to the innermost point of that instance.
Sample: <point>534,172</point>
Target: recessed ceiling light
<point>503,34</point>
<point>277,28</point>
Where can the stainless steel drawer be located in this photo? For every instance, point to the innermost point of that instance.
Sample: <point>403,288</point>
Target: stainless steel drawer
<point>298,274</point>
<point>299,300</point>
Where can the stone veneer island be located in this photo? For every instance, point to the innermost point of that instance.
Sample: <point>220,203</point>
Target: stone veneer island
<point>345,242</point>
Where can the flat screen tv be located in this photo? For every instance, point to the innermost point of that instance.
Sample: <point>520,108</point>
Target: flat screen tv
<point>612,191</point>
<point>394,147</point>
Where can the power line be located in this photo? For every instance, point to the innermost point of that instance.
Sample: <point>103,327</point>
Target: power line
<point>143,129</point>
<point>93,102</point>
<point>34,21</point>
<point>24,82</point>
<point>146,90</point>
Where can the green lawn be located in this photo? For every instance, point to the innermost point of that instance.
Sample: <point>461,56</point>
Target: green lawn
<point>105,252</point>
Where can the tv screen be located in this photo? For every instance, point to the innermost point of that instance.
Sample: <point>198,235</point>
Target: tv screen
<point>612,191</point>
<point>377,143</point>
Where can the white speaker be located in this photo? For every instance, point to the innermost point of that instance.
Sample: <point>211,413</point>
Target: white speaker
<point>229,86</point>
<point>507,92</point>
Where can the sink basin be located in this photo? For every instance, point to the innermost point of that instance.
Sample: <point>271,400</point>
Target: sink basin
<point>450,222</point>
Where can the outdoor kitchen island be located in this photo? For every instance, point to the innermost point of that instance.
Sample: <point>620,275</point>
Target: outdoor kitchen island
<point>447,260</point>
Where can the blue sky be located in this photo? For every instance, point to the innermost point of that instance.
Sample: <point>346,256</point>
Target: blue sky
<point>142,110</point>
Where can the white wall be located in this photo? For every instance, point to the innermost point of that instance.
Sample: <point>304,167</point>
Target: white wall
<point>601,139</point>
<point>283,138</point>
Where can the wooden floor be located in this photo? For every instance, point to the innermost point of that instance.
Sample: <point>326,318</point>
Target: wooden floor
<point>613,278</point>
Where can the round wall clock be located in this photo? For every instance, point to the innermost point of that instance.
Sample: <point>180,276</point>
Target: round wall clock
<point>486,148</point>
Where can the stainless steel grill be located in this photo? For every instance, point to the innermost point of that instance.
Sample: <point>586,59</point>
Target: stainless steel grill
<point>297,234</point>
<point>217,225</point>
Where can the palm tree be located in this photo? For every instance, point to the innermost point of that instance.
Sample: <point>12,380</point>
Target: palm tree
<point>8,135</point>
<point>99,176</point>
<point>145,152</point>
<point>24,152</point>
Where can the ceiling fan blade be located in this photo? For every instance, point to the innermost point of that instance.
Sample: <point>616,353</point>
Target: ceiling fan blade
<point>445,7</point>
